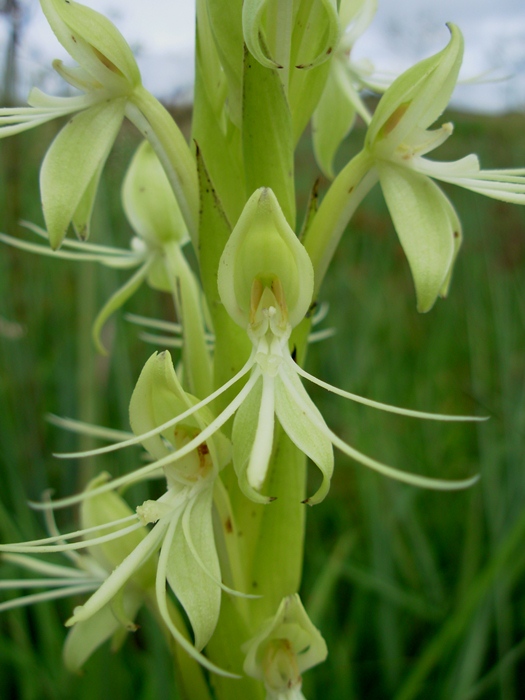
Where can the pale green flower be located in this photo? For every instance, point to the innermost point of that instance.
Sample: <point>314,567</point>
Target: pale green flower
<point>87,572</point>
<point>154,214</point>
<point>397,141</point>
<point>182,519</point>
<point>285,646</point>
<point>109,79</point>
<point>265,281</point>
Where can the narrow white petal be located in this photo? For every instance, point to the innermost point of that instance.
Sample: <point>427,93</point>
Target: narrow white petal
<point>392,472</point>
<point>32,548</point>
<point>263,442</point>
<point>43,567</point>
<point>301,420</point>
<point>143,472</point>
<point>120,575</point>
<point>78,533</point>
<point>156,323</point>
<point>399,475</point>
<point>186,528</point>
<point>42,597</point>
<point>177,419</point>
<point>384,406</point>
<point>123,262</point>
<point>160,589</point>
<point>85,246</point>
<point>47,583</point>
<point>78,426</point>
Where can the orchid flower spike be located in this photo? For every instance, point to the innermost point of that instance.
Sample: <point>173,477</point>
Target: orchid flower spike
<point>285,646</point>
<point>109,79</point>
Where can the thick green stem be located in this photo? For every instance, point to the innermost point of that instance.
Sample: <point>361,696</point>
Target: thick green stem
<point>337,208</point>
<point>188,305</point>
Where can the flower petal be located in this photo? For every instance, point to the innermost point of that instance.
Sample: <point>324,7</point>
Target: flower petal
<point>199,594</point>
<point>295,411</point>
<point>423,218</point>
<point>72,161</point>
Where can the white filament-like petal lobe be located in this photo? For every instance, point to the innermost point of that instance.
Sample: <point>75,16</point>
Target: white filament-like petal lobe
<point>385,406</point>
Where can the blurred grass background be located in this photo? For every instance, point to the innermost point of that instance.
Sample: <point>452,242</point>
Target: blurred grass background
<point>418,594</point>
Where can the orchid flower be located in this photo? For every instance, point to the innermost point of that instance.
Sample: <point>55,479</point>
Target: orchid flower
<point>154,214</point>
<point>284,647</point>
<point>182,521</point>
<point>397,139</point>
<point>265,282</point>
<point>88,572</point>
<point>108,76</point>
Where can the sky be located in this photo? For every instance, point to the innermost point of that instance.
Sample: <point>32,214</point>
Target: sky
<point>403,31</point>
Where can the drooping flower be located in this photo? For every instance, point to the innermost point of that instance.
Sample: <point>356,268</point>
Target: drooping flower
<point>285,646</point>
<point>109,79</point>
<point>265,282</point>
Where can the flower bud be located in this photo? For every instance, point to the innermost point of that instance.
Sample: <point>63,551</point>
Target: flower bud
<point>285,646</point>
<point>149,201</point>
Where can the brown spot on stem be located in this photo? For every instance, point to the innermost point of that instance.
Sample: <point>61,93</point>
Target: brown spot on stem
<point>228,525</point>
